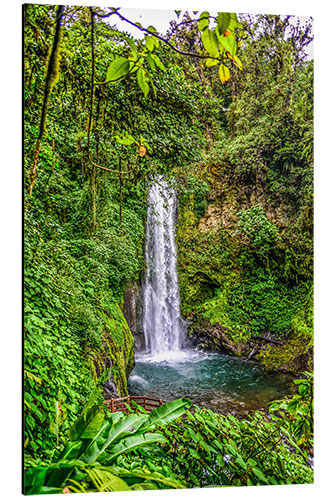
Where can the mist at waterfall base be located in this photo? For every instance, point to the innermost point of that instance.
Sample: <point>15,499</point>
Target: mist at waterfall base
<point>167,370</point>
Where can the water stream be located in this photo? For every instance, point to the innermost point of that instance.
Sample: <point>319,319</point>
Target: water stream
<point>167,369</point>
<point>162,323</point>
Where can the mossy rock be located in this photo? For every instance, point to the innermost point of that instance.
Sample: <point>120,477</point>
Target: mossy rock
<point>115,360</point>
<point>295,356</point>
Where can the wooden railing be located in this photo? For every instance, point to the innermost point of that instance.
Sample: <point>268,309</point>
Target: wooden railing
<point>119,404</point>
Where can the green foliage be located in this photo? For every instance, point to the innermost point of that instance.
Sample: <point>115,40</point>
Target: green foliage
<point>95,443</point>
<point>294,416</point>
<point>206,449</point>
<point>225,451</point>
<point>253,270</point>
<point>195,192</point>
<point>84,227</point>
<point>63,336</point>
<point>254,305</point>
<point>255,226</point>
<point>119,452</point>
<point>56,372</point>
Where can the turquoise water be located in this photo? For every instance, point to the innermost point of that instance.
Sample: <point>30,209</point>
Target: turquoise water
<point>218,382</point>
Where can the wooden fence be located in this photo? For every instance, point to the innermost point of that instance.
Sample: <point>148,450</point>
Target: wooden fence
<point>119,404</point>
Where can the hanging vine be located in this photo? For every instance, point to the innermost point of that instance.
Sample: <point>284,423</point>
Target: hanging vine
<point>92,93</point>
<point>52,76</point>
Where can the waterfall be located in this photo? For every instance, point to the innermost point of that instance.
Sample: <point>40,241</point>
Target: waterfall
<point>162,323</point>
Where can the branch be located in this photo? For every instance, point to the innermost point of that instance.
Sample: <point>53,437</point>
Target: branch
<point>103,16</point>
<point>164,40</point>
<point>190,21</point>
<point>277,342</point>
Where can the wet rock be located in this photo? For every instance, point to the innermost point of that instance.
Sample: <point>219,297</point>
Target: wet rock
<point>110,387</point>
<point>214,337</point>
<point>133,310</point>
<point>130,306</point>
<point>114,360</point>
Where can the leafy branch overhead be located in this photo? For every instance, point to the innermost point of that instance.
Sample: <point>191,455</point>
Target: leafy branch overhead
<point>219,44</point>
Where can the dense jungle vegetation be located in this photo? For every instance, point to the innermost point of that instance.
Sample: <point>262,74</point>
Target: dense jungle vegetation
<point>225,110</point>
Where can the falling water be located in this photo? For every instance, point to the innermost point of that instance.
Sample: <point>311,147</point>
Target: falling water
<point>162,322</point>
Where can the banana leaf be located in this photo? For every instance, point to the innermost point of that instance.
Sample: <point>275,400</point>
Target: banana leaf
<point>131,443</point>
<point>35,476</point>
<point>126,425</point>
<point>70,451</point>
<point>88,423</point>
<point>167,412</point>
<point>42,490</point>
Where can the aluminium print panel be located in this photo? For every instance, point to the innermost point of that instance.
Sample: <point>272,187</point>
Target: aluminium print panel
<point>168,249</point>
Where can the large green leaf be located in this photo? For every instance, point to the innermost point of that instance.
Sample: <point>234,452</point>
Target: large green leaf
<point>126,140</point>
<point>158,62</point>
<point>143,81</point>
<point>59,473</point>
<point>167,412</point>
<point>150,43</point>
<point>42,490</point>
<point>87,424</point>
<point>203,21</point>
<point>211,62</point>
<point>233,22</point>
<point>259,474</point>
<point>228,42</point>
<point>123,427</point>
<point>132,443</point>
<point>151,61</point>
<point>210,42</point>
<point>105,480</point>
<point>119,68</point>
<point>35,476</point>
<point>222,19</point>
<point>150,476</point>
<point>53,476</point>
<point>70,451</point>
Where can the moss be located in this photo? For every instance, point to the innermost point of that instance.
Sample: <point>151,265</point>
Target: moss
<point>117,346</point>
<point>295,355</point>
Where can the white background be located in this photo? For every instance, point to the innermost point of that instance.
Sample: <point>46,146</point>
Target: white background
<point>11,249</point>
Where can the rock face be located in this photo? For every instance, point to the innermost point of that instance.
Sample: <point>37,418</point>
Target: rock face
<point>217,216</point>
<point>212,219</point>
<point>131,306</point>
<point>114,361</point>
<point>109,386</point>
<point>133,311</point>
<point>214,337</point>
